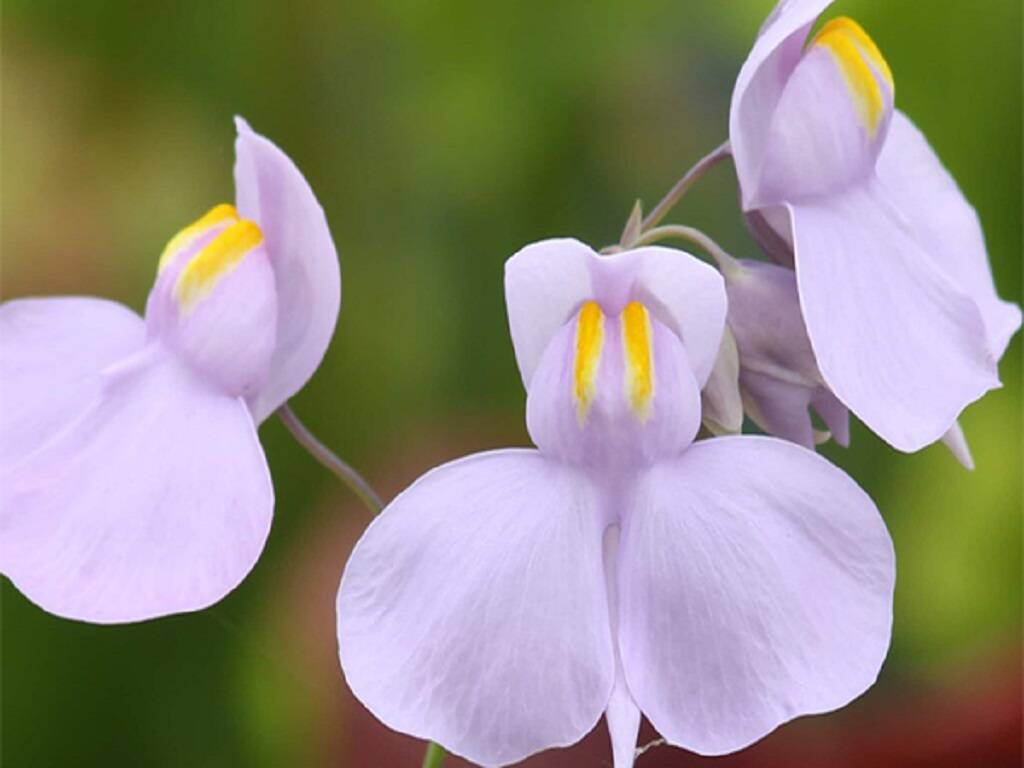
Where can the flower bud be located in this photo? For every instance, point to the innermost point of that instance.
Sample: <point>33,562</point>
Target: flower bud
<point>778,378</point>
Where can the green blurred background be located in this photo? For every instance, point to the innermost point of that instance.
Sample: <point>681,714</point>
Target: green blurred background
<point>441,137</point>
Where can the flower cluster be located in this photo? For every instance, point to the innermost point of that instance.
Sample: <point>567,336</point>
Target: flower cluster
<point>646,558</point>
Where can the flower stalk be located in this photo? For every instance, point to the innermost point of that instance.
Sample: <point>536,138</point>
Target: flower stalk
<point>691,177</point>
<point>349,476</point>
<point>726,263</point>
<point>435,755</point>
<point>649,746</point>
<point>434,758</point>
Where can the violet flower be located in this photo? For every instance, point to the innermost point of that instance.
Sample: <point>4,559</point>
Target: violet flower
<point>506,601</point>
<point>893,278</point>
<point>777,377</point>
<point>132,481</point>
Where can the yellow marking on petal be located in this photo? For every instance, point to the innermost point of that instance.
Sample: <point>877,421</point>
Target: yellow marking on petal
<point>220,256</point>
<point>639,353</point>
<point>863,39</point>
<point>589,341</point>
<point>217,215</point>
<point>856,53</point>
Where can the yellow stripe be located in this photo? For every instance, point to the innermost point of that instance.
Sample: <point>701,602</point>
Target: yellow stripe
<point>855,31</point>
<point>855,52</point>
<point>216,215</point>
<point>636,341</point>
<point>589,341</point>
<point>217,259</point>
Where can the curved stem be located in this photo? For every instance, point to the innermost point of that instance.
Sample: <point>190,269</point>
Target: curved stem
<point>726,263</point>
<point>681,187</point>
<point>325,456</point>
<point>648,746</point>
<point>434,757</point>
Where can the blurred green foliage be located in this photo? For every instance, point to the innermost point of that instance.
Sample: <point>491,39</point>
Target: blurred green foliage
<point>441,137</point>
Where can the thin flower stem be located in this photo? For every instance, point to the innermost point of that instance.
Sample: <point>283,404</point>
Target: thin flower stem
<point>690,178</point>
<point>726,263</point>
<point>435,756</point>
<point>325,456</point>
<point>651,745</point>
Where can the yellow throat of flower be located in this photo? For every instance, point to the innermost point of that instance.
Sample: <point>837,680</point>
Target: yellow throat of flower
<point>637,353</point>
<point>589,341</point>
<point>859,59</point>
<point>639,357</point>
<point>206,267</point>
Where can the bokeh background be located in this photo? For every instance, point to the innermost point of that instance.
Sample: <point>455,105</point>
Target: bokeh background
<point>441,137</point>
